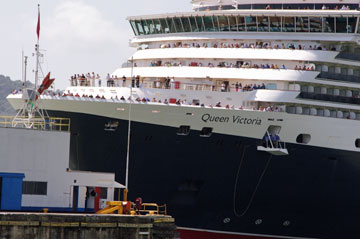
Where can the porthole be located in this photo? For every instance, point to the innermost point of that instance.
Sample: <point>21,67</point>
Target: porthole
<point>206,132</point>
<point>303,138</point>
<point>226,220</point>
<point>286,223</point>
<point>357,143</point>
<point>184,130</point>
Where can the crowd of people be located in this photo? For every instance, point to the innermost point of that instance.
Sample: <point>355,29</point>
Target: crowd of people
<point>258,45</point>
<point>84,80</point>
<point>171,101</point>
<point>324,7</point>
<point>238,64</point>
<point>111,81</point>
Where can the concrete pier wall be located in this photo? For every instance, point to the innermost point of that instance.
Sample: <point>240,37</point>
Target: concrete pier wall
<point>85,226</point>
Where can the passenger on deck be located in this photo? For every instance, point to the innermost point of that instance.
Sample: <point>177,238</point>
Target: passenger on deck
<point>133,82</point>
<point>236,86</point>
<point>276,140</point>
<point>93,79</point>
<point>122,98</point>
<point>108,80</point>
<point>137,81</point>
<point>99,79</point>
<point>266,141</point>
<point>272,138</point>
<point>123,81</point>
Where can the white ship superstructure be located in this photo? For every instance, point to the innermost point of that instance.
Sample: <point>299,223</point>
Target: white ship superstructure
<point>213,97</point>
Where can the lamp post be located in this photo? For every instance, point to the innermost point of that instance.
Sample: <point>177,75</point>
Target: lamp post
<point>129,133</point>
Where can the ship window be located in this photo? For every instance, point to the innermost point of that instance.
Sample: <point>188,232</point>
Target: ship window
<point>342,92</point>
<point>233,24</point>
<point>215,23</point>
<point>251,24</point>
<point>302,24</point>
<point>317,90</point>
<point>172,25</point>
<point>140,27</point>
<point>34,188</point>
<point>200,24</point>
<point>241,24</point>
<point>223,24</point>
<point>275,24</point>
<point>263,24</point>
<point>304,88</point>
<point>157,26</point>
<point>303,138</point>
<point>208,22</point>
<point>288,24</point>
<point>206,132</point>
<point>145,26</point>
<point>329,24</point>
<point>111,125</point>
<point>133,25</point>
<point>183,130</point>
<point>344,71</point>
<point>357,143</point>
<point>271,86</point>
<point>194,25</point>
<point>178,24</point>
<point>151,26</point>
<point>315,24</point>
<point>103,193</point>
<point>351,24</point>
<point>164,25</point>
<point>341,23</point>
<point>186,24</point>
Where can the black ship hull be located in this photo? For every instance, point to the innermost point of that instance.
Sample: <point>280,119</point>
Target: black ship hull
<point>222,183</point>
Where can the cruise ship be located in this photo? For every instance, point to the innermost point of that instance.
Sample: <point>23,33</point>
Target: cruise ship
<point>241,116</point>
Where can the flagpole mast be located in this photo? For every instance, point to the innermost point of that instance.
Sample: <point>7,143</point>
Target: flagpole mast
<point>37,49</point>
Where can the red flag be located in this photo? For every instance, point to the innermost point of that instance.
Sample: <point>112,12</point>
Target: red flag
<point>38,24</point>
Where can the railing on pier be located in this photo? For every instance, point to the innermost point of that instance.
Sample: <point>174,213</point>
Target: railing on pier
<point>37,123</point>
<point>121,207</point>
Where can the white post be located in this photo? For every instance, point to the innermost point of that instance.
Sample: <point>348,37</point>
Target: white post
<point>129,128</point>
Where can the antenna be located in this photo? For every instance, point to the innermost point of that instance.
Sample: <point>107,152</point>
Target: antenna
<point>37,49</point>
<point>31,115</point>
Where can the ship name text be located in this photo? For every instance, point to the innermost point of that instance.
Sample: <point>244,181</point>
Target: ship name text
<point>235,119</point>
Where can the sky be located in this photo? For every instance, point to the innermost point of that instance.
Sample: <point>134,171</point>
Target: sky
<point>76,36</point>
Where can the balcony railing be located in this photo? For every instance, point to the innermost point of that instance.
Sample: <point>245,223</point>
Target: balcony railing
<point>339,77</point>
<point>332,98</point>
<point>348,56</point>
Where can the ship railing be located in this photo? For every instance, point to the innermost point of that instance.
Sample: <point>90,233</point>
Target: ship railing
<point>37,123</point>
<point>150,208</point>
<point>199,87</point>
<point>158,84</point>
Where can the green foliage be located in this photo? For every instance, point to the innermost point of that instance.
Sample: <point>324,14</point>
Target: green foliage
<point>6,86</point>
